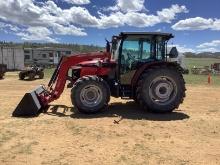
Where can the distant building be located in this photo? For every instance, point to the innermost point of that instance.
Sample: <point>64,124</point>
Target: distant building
<point>12,56</point>
<point>15,57</point>
<point>45,56</point>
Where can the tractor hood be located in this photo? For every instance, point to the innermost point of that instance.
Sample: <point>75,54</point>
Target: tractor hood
<point>90,63</point>
<point>94,61</point>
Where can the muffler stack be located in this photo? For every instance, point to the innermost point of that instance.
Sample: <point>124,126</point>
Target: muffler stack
<point>30,104</point>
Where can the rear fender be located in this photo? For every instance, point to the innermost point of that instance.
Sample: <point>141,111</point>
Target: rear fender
<point>146,66</point>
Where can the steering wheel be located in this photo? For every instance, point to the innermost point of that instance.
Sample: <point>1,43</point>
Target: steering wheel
<point>130,57</point>
<point>129,60</point>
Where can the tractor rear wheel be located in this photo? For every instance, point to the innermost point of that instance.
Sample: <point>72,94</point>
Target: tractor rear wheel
<point>90,94</point>
<point>161,89</point>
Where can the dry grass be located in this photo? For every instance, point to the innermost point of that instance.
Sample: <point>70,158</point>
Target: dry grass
<point>190,135</point>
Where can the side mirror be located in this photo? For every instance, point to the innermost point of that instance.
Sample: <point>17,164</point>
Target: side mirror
<point>173,53</point>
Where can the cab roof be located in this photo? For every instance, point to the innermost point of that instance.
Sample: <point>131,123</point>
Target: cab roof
<point>165,35</point>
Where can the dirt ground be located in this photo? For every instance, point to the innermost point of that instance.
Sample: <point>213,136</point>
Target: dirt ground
<point>189,135</point>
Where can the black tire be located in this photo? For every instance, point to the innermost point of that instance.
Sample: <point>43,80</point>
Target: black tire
<point>21,76</point>
<point>97,87</point>
<point>41,75</point>
<point>31,76</point>
<point>1,75</point>
<point>161,89</point>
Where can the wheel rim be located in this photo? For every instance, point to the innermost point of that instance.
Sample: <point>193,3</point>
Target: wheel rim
<point>162,90</point>
<point>91,95</point>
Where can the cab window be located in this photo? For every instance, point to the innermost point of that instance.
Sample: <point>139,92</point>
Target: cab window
<point>130,49</point>
<point>146,53</point>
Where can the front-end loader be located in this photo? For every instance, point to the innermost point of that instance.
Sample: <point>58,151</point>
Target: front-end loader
<point>134,66</point>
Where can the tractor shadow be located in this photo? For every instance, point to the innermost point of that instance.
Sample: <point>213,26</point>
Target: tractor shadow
<point>26,79</point>
<point>129,110</point>
<point>55,110</point>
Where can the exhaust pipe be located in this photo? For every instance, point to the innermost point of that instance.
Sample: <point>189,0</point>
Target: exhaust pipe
<point>30,105</point>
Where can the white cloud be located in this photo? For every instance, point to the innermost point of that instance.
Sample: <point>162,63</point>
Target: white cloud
<point>197,23</point>
<point>19,11</point>
<point>140,19</point>
<point>214,43</point>
<point>197,49</point>
<point>213,46</point>
<point>36,34</point>
<point>216,24</point>
<point>128,5</point>
<point>47,18</point>
<point>158,30</point>
<point>212,50</point>
<point>80,16</point>
<point>6,27</point>
<point>23,16</point>
<point>169,14</point>
<point>113,20</point>
<point>78,2</point>
<point>68,30</point>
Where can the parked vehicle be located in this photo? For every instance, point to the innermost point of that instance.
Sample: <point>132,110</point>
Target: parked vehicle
<point>3,69</point>
<point>31,73</point>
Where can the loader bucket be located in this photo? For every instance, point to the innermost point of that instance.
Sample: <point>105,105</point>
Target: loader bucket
<point>29,105</point>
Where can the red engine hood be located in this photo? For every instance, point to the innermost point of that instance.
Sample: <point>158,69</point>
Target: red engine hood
<point>90,55</point>
<point>94,61</point>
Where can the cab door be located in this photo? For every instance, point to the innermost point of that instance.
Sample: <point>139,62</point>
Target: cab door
<point>133,51</point>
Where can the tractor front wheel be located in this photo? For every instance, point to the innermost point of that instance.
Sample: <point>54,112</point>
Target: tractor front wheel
<point>90,94</point>
<point>161,89</point>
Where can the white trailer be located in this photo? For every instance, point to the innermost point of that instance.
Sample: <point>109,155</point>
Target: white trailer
<point>13,57</point>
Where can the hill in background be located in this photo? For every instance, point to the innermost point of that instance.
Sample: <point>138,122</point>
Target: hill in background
<point>202,55</point>
<point>91,48</point>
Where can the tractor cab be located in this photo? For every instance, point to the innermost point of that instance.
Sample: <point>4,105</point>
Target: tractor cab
<point>139,46</point>
<point>131,50</point>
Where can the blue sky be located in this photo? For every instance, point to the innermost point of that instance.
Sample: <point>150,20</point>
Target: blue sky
<point>195,24</point>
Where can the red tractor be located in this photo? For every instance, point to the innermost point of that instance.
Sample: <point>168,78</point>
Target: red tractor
<point>134,66</point>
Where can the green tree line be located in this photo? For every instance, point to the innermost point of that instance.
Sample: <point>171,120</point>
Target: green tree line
<point>75,47</point>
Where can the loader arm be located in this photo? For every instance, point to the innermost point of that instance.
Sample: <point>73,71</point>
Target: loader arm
<point>59,78</point>
<point>33,102</point>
